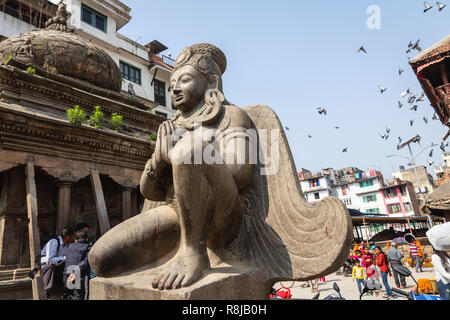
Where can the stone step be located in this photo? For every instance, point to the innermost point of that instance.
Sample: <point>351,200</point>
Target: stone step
<point>16,290</point>
<point>10,275</point>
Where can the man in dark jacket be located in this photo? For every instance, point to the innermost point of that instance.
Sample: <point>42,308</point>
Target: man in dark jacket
<point>77,270</point>
<point>395,258</point>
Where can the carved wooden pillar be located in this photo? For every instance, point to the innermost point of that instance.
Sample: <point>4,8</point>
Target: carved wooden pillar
<point>126,203</point>
<point>62,215</point>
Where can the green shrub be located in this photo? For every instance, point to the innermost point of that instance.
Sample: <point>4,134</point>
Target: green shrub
<point>116,122</point>
<point>97,119</point>
<point>76,116</point>
<point>153,136</point>
<point>31,70</point>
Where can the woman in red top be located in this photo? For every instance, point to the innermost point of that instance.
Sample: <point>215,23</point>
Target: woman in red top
<point>367,258</point>
<point>382,265</point>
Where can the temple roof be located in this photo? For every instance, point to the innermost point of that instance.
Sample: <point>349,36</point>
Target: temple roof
<point>437,52</point>
<point>58,50</point>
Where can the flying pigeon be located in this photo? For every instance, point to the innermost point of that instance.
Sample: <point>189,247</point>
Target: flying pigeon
<point>443,146</point>
<point>414,107</point>
<point>430,163</point>
<point>383,136</point>
<point>286,128</point>
<point>336,128</point>
<point>382,89</point>
<point>425,119</point>
<point>345,150</point>
<point>362,49</point>
<point>416,46</point>
<point>309,136</point>
<point>405,93</point>
<point>411,122</point>
<point>435,116</point>
<point>412,99</point>
<point>410,46</point>
<point>322,110</point>
<point>419,99</point>
<point>131,92</point>
<point>441,6</point>
<point>400,71</point>
<point>400,105</point>
<point>399,140</point>
<point>427,6</point>
<point>388,130</point>
<point>431,153</point>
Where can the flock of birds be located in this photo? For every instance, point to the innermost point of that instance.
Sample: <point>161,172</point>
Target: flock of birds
<point>412,99</point>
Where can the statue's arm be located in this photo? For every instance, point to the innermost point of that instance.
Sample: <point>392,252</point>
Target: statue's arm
<point>154,180</point>
<point>152,184</point>
<point>238,144</point>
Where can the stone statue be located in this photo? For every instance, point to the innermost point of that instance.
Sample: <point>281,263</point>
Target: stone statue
<point>59,22</point>
<point>201,212</point>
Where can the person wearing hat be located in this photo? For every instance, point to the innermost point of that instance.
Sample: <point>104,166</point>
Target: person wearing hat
<point>439,237</point>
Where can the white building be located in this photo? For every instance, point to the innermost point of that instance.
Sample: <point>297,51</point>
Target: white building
<point>356,189</point>
<point>316,186</point>
<point>99,21</point>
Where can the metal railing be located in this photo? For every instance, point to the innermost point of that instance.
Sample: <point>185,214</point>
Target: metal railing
<point>167,60</point>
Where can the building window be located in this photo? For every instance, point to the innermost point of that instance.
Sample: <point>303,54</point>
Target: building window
<point>348,202</point>
<point>161,114</point>
<point>394,208</point>
<point>390,193</point>
<point>316,196</point>
<point>160,92</point>
<point>93,18</point>
<point>408,207</point>
<point>314,183</point>
<point>130,73</point>
<point>375,210</point>
<point>367,183</point>
<point>370,198</point>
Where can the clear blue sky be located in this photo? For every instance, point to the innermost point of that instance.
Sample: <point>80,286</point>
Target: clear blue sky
<point>296,55</point>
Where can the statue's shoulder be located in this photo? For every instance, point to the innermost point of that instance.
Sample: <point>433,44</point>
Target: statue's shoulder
<point>238,116</point>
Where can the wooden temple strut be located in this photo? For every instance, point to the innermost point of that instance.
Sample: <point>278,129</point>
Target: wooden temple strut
<point>100,204</point>
<point>33,232</point>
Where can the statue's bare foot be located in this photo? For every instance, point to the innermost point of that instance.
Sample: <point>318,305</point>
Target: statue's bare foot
<point>183,271</point>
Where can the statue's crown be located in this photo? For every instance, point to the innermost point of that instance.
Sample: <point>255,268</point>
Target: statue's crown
<point>200,56</point>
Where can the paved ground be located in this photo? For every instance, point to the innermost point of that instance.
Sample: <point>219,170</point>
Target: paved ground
<point>349,289</point>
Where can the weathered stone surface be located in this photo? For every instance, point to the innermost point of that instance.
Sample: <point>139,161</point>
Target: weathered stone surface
<point>223,283</point>
<point>56,50</point>
<point>249,216</point>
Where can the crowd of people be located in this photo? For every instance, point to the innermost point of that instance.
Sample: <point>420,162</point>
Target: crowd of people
<point>370,263</point>
<point>64,264</point>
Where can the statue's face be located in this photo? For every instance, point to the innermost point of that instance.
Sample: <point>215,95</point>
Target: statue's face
<point>187,88</point>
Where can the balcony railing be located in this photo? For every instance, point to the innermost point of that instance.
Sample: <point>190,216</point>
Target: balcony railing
<point>169,61</point>
<point>24,13</point>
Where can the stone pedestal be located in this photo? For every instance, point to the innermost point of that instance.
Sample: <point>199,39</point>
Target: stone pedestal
<point>221,283</point>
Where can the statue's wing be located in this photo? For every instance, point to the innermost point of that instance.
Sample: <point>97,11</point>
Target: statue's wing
<point>288,237</point>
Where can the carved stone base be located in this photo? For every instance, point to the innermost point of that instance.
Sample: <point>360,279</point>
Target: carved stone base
<point>221,283</point>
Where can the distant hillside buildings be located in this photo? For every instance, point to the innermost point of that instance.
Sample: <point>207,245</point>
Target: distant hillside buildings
<point>365,191</point>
